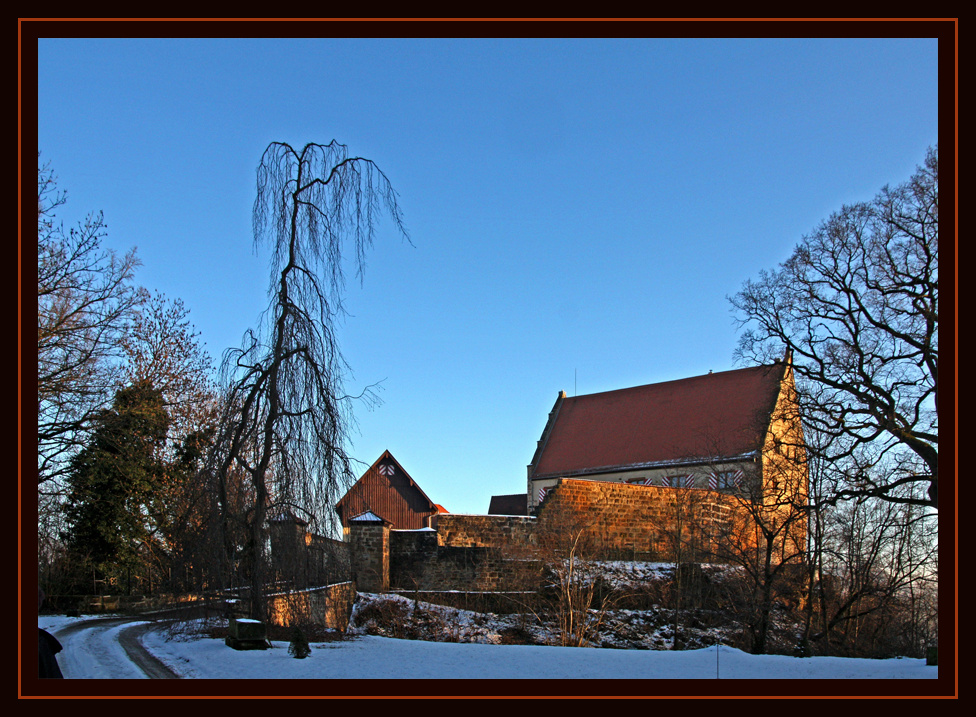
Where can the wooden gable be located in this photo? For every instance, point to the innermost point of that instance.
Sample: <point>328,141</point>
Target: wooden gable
<point>387,491</point>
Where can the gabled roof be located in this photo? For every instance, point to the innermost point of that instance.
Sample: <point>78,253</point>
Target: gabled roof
<point>387,491</point>
<point>718,415</point>
<point>287,516</point>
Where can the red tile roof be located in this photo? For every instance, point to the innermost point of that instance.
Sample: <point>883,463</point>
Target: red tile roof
<point>719,415</point>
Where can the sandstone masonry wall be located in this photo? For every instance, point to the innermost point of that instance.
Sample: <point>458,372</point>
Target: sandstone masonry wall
<point>650,522</point>
<point>370,556</point>
<point>467,552</point>
<point>491,531</point>
<point>499,553</point>
<point>328,606</point>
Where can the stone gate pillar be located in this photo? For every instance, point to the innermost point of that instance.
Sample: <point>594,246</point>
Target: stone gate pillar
<point>369,552</point>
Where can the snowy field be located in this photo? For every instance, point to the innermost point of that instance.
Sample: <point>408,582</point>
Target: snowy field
<point>101,656</point>
<point>389,658</point>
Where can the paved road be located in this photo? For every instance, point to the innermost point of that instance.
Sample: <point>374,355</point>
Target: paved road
<point>110,648</point>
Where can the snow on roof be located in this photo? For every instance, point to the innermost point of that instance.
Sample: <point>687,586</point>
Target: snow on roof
<point>368,517</point>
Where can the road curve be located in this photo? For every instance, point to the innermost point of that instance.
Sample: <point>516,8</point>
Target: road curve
<point>77,639</point>
<point>131,642</point>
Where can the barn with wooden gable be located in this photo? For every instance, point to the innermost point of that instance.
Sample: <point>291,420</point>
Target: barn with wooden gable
<point>388,492</point>
<point>716,431</point>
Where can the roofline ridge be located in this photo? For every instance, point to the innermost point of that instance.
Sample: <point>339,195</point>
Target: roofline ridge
<point>546,432</point>
<point>387,454</point>
<point>689,461</point>
<point>678,380</point>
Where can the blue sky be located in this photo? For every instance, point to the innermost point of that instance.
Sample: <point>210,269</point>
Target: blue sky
<point>579,209</point>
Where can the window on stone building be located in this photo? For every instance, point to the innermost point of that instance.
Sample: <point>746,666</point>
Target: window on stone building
<point>725,480</point>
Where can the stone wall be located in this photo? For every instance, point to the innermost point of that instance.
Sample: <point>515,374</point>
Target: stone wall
<point>483,531</point>
<point>369,552</point>
<point>328,606</point>
<point>504,553</point>
<point>647,522</point>
<point>464,553</point>
<point>303,558</point>
<point>411,552</point>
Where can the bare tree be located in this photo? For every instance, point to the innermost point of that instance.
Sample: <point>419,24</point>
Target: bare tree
<point>857,307</point>
<point>765,540</point>
<point>877,558</point>
<point>85,303</point>
<point>98,334</point>
<point>163,347</point>
<point>766,535</point>
<point>570,544</point>
<point>687,542</point>
<point>289,414</point>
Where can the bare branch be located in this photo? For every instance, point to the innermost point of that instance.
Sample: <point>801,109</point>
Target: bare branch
<point>289,414</point>
<point>856,307</point>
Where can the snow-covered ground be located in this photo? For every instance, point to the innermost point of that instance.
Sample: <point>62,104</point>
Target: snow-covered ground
<point>97,654</point>
<point>91,654</point>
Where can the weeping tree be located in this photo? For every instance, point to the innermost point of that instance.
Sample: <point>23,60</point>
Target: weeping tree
<point>287,415</point>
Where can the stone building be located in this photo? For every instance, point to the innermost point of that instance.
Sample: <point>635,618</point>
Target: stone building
<point>682,470</point>
<point>730,443</point>
<point>735,431</point>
